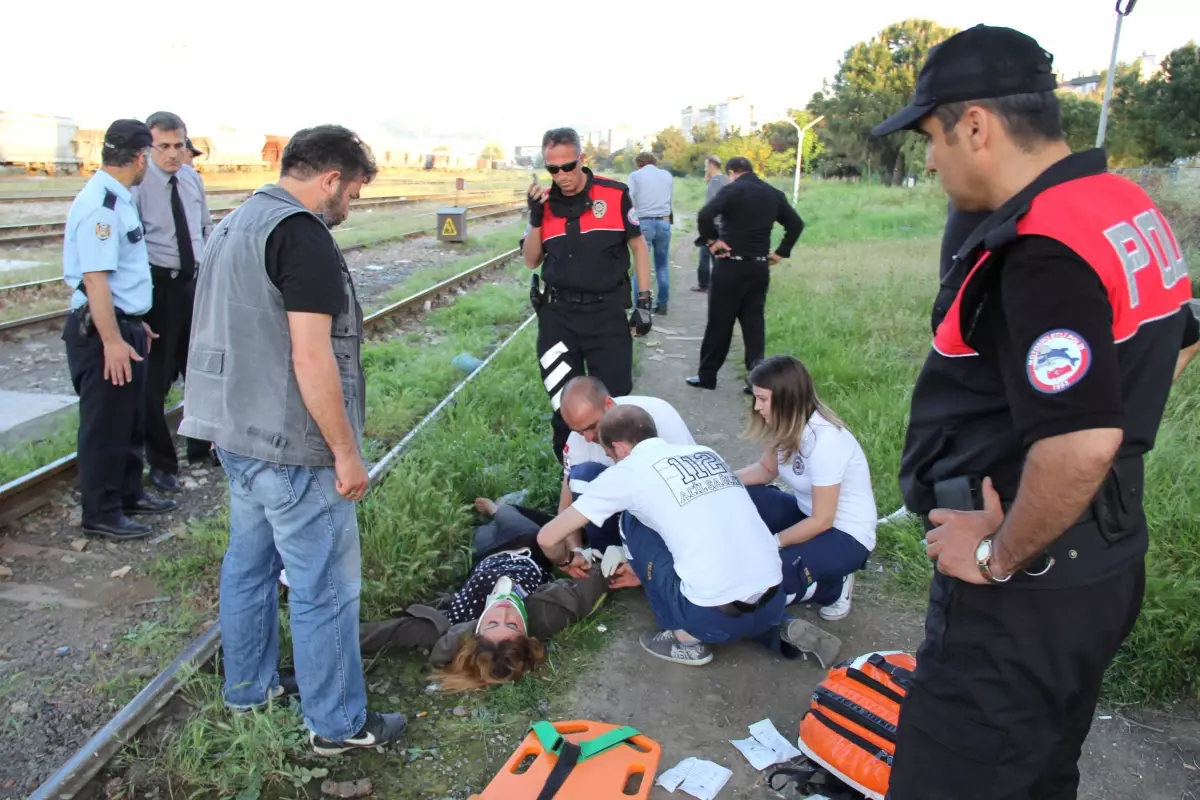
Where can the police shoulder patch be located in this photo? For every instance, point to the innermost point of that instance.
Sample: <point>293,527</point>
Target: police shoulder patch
<point>633,218</point>
<point>599,209</point>
<point>1057,361</point>
<point>103,231</point>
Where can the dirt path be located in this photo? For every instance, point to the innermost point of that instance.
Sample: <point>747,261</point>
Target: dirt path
<point>694,712</point>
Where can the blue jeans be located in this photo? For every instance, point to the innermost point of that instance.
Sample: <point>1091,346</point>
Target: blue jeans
<point>704,270</point>
<point>655,567</point>
<point>600,537</point>
<point>658,239</point>
<point>289,516</point>
<point>825,559</point>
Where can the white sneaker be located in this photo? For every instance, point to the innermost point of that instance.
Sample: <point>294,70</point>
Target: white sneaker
<point>901,514</point>
<point>283,578</point>
<point>840,608</point>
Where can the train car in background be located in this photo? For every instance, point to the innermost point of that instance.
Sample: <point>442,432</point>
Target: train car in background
<point>37,143</point>
<point>231,150</point>
<point>88,145</point>
<point>272,151</point>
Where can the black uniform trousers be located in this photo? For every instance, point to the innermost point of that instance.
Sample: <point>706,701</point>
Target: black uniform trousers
<point>737,292</point>
<point>583,339</point>
<point>1006,686</point>
<point>170,317</point>
<point>111,422</point>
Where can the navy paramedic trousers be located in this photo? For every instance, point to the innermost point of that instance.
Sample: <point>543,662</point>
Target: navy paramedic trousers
<point>825,559</point>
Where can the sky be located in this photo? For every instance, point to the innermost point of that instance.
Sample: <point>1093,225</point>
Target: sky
<point>496,71</point>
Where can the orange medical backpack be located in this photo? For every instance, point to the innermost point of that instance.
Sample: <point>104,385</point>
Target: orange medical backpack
<point>849,732</point>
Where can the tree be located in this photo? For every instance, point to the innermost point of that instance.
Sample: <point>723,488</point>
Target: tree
<point>1080,119</point>
<point>492,151</point>
<point>670,145</point>
<point>1172,102</point>
<point>875,79</point>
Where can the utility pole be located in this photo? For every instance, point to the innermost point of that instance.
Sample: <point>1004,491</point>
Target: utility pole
<point>800,151</point>
<point>1112,69</point>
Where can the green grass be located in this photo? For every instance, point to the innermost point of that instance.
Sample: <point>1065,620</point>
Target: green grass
<point>857,313</point>
<point>415,529</point>
<point>28,456</point>
<point>481,248</point>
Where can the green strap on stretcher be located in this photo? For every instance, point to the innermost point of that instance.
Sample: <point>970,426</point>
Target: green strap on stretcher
<point>568,754</point>
<point>552,741</point>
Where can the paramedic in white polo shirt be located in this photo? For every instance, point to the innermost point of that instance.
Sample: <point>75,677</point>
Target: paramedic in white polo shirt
<point>826,525</point>
<point>584,401</point>
<point>710,568</point>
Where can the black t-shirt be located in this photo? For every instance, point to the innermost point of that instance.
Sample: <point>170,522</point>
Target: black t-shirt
<point>1045,289</point>
<point>303,263</point>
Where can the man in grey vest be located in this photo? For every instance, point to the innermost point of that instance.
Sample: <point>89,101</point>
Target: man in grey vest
<point>275,381</point>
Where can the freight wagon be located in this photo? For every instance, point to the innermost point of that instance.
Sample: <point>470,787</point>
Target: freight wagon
<point>37,143</point>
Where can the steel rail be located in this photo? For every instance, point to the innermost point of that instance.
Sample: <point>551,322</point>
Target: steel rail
<point>22,495</point>
<point>26,233</point>
<point>105,743</point>
<point>510,207</point>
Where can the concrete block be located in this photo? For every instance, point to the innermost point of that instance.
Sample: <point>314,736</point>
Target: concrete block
<point>29,416</point>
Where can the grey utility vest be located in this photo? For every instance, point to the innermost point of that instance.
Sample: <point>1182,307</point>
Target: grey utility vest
<point>241,391</point>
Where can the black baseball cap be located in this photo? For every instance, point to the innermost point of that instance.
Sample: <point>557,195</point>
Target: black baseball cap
<point>976,64</point>
<point>192,147</point>
<point>127,134</point>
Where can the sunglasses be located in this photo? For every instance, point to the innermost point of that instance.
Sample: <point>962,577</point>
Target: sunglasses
<point>554,169</point>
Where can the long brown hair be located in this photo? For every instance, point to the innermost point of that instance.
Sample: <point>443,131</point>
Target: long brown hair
<point>481,662</point>
<point>793,402</point>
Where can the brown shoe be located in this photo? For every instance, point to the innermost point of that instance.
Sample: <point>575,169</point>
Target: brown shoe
<point>699,288</point>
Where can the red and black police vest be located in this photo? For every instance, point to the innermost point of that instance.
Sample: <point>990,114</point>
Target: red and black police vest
<point>587,252</point>
<point>1113,225</point>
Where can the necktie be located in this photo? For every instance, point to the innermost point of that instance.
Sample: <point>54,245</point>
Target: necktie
<point>187,258</point>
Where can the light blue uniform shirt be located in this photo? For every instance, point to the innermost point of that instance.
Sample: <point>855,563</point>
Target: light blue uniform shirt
<point>104,234</point>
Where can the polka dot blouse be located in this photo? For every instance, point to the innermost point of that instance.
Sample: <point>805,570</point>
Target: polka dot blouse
<point>470,600</point>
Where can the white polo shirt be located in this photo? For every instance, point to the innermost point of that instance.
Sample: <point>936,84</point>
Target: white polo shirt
<point>687,493</point>
<point>831,456</point>
<point>670,426</point>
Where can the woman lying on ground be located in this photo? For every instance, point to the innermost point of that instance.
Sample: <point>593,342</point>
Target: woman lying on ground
<point>826,525</point>
<point>491,630</point>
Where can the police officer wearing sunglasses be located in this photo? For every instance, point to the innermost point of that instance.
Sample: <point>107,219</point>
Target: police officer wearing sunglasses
<point>1056,336</point>
<point>581,232</point>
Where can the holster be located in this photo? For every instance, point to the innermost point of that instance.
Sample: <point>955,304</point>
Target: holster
<point>536,298</point>
<point>1110,532</point>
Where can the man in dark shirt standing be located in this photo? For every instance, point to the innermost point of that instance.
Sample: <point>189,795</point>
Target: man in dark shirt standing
<point>749,207</point>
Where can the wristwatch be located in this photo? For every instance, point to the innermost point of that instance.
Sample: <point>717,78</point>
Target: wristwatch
<point>983,560</point>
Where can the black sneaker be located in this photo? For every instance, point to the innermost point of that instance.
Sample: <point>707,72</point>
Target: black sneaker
<point>287,689</point>
<point>660,311</point>
<point>379,729</point>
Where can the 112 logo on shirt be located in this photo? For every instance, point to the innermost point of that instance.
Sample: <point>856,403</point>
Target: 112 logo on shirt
<point>695,475</point>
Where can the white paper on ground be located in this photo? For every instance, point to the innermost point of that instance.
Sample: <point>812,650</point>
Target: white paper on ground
<point>766,734</point>
<point>759,756</point>
<point>699,778</point>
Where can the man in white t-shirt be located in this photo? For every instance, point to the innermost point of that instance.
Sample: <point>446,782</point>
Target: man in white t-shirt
<point>584,402</point>
<point>696,544</point>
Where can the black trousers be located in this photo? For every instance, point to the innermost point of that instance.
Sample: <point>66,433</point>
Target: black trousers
<point>111,422</point>
<point>737,292</point>
<point>170,317</point>
<point>1006,687</point>
<point>583,339</point>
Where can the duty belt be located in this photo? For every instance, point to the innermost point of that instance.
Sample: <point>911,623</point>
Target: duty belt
<point>556,295</point>
<point>737,607</point>
<point>745,258</point>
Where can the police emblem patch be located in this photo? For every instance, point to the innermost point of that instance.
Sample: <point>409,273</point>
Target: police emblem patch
<point>599,209</point>
<point>633,220</point>
<point>1057,361</point>
<point>103,231</point>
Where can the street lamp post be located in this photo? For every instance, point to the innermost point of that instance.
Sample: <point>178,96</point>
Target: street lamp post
<point>1112,69</point>
<point>800,150</point>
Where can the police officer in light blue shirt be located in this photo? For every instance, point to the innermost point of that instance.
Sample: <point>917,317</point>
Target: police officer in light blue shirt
<point>105,261</point>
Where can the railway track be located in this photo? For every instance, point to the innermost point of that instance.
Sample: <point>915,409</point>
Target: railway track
<point>34,233</point>
<point>107,741</point>
<point>483,211</point>
<point>31,491</point>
